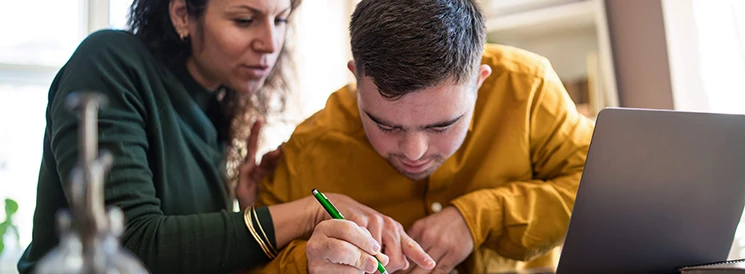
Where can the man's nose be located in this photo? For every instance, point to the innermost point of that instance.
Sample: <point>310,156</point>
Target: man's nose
<point>413,146</point>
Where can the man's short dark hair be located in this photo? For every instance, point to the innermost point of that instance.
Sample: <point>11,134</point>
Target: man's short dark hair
<point>408,45</point>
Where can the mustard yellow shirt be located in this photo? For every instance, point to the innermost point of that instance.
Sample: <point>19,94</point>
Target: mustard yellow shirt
<point>514,179</point>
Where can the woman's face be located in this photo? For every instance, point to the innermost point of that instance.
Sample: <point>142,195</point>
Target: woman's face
<point>236,42</point>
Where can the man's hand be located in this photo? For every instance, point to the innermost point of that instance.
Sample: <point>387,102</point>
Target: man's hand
<point>396,244</point>
<point>341,246</point>
<point>250,174</point>
<point>445,237</point>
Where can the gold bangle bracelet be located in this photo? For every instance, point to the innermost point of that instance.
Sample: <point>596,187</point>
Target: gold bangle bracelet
<point>268,242</point>
<point>249,224</point>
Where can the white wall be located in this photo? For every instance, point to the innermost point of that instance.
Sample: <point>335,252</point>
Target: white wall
<point>720,27</point>
<point>322,50</point>
<point>707,63</point>
<point>683,51</point>
<point>707,57</point>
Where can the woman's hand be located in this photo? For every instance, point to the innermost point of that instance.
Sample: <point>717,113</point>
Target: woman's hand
<point>250,174</point>
<point>395,243</point>
<point>341,246</point>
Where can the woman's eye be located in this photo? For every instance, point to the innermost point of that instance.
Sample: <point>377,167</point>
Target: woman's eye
<point>279,21</point>
<point>243,21</point>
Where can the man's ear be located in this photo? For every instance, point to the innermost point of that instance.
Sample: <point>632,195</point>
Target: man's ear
<point>484,72</point>
<point>179,17</point>
<point>352,68</point>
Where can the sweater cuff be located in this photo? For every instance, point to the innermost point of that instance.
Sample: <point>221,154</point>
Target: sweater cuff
<point>250,249</point>
<point>265,218</point>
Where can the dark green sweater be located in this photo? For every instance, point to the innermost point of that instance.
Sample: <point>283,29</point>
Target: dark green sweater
<point>167,175</point>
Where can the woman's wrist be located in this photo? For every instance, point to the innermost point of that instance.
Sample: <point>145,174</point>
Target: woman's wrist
<point>294,220</point>
<point>314,212</point>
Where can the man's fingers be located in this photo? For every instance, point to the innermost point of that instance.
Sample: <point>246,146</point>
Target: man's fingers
<point>253,140</point>
<point>415,231</point>
<point>392,242</point>
<point>411,245</point>
<point>419,270</point>
<point>414,251</point>
<point>446,263</point>
<point>375,226</point>
<point>437,254</point>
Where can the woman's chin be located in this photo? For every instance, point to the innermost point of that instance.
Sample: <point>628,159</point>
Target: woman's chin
<point>248,86</point>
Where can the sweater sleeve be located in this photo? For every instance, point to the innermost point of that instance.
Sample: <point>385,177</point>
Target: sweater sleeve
<point>109,63</point>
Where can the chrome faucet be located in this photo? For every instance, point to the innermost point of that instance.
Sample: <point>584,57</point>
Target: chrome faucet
<point>88,232</point>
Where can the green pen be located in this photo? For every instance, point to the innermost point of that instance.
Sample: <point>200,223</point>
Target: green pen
<point>337,215</point>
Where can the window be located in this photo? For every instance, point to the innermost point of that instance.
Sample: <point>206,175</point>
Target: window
<point>20,150</point>
<point>38,38</point>
<point>118,12</point>
<point>47,38</point>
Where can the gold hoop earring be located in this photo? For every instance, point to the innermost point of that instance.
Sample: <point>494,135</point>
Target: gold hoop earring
<point>182,36</point>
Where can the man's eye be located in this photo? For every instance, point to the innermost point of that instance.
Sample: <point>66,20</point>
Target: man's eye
<point>386,128</point>
<point>439,129</point>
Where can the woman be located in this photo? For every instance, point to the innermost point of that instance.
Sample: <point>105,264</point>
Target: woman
<point>183,85</point>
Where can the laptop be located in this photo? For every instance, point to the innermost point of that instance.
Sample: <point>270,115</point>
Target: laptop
<point>661,189</point>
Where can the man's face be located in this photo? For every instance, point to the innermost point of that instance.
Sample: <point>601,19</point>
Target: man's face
<point>419,131</point>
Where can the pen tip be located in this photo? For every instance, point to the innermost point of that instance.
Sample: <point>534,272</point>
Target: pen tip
<point>315,191</point>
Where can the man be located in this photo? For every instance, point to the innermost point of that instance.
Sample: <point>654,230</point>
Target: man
<point>476,150</point>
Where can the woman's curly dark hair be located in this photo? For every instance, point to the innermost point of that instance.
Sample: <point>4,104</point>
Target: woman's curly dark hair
<point>150,21</point>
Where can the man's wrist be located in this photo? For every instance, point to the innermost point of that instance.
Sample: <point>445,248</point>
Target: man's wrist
<point>463,205</point>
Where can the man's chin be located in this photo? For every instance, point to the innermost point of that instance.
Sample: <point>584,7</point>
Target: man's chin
<point>416,176</point>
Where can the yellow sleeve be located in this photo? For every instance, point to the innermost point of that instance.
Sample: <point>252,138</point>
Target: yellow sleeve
<point>524,219</point>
